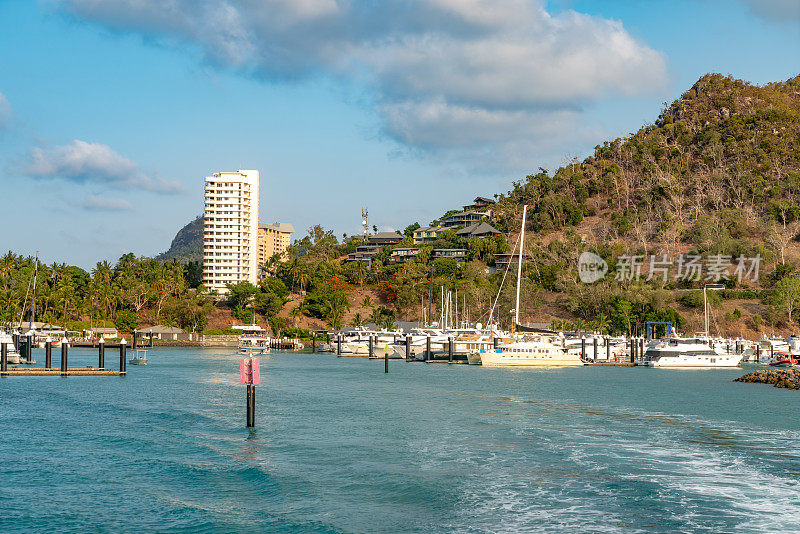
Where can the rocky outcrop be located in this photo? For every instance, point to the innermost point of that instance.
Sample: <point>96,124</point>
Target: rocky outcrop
<point>781,378</point>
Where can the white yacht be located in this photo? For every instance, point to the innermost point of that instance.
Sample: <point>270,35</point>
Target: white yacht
<point>253,339</point>
<point>12,353</point>
<point>355,341</point>
<point>687,352</point>
<point>535,351</point>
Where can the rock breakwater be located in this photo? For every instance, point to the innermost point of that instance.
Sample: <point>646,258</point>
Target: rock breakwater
<point>781,378</point>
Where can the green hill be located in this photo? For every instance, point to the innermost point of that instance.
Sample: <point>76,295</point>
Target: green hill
<point>716,174</point>
<point>187,245</point>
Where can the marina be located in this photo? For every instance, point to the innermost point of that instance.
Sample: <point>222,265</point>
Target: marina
<point>436,448</point>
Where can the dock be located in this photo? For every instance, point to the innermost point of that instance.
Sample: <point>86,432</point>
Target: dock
<point>56,371</point>
<point>613,364</point>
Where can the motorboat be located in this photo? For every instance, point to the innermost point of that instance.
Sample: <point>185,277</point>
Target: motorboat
<point>783,359</point>
<point>687,353</point>
<point>531,351</point>
<point>139,357</point>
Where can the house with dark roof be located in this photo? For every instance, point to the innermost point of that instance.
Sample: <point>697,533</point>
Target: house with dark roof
<point>364,253</point>
<point>385,238</point>
<point>480,204</point>
<point>479,230</point>
<point>163,332</point>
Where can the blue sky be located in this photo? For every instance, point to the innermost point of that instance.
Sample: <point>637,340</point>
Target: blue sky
<point>112,112</point>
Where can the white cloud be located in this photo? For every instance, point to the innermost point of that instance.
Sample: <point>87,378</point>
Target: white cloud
<point>782,11</point>
<point>96,163</point>
<point>93,203</point>
<point>445,73</point>
<point>5,111</point>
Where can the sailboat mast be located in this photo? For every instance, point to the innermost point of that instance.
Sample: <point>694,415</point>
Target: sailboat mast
<point>33,295</point>
<point>519,266</point>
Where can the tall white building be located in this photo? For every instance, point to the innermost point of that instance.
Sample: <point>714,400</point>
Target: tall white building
<point>230,231</point>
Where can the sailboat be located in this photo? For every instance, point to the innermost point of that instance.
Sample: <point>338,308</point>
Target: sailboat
<point>532,350</point>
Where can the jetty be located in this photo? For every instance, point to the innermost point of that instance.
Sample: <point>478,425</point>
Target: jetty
<point>56,371</point>
<point>63,369</point>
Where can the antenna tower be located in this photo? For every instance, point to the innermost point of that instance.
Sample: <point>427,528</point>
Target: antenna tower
<point>364,217</point>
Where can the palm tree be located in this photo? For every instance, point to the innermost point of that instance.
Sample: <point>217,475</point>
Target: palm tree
<point>580,325</point>
<point>602,323</point>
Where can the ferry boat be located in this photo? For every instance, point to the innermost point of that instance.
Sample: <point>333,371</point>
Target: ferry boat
<point>539,351</point>
<point>687,353</point>
<point>253,339</point>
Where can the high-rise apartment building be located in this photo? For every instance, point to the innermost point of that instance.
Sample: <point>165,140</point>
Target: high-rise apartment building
<point>273,239</point>
<point>230,231</point>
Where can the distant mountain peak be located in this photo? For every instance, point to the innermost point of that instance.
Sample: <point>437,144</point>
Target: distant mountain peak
<point>188,243</point>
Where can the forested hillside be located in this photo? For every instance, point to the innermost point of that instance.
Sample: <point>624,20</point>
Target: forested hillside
<point>717,174</point>
<point>187,245</point>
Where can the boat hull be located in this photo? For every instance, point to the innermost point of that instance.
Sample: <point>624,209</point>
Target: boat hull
<point>489,359</point>
<point>689,363</point>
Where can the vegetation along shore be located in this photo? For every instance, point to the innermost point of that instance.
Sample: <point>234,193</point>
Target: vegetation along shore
<point>715,176</point>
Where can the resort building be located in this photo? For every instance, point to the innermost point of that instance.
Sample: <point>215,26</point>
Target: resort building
<point>458,254</point>
<point>427,234</point>
<point>400,255</point>
<point>230,230</point>
<point>482,204</point>
<point>463,218</point>
<point>364,254</point>
<point>273,239</point>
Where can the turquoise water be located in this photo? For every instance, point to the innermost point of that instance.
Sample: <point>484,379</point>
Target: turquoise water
<point>341,447</point>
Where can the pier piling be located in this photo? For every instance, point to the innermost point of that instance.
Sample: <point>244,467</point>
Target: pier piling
<point>386,361</point>
<point>29,349</point>
<point>608,348</point>
<point>251,406</point>
<point>64,349</point>
<point>408,347</point>
<point>338,344</point>
<point>101,353</point>
<point>3,357</point>
<point>641,349</point>
<point>450,349</point>
<point>122,361</point>
<point>313,342</point>
<point>595,349</point>
<point>583,347</point>
<point>48,354</point>
<point>371,348</point>
<point>427,347</point>
<point>758,353</point>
